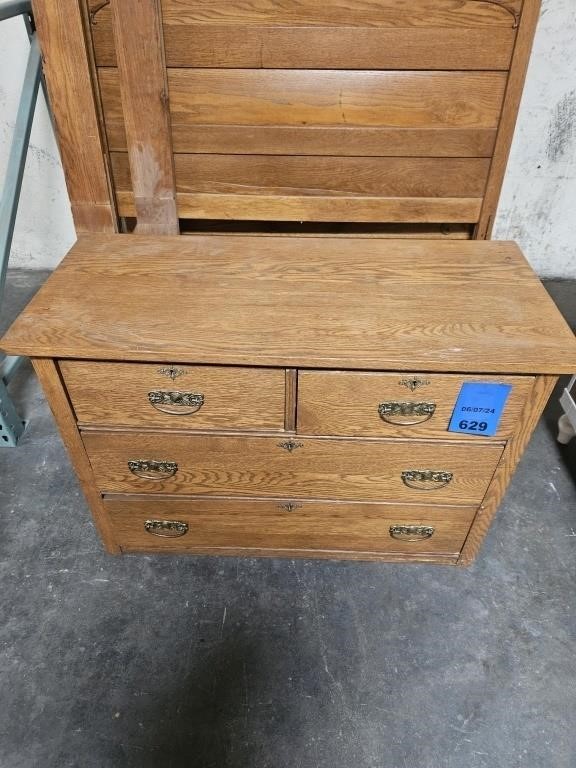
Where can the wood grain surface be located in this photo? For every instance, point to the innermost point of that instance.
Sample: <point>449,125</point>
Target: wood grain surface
<point>285,524</point>
<point>298,302</point>
<point>144,88</point>
<point>319,468</point>
<point>74,104</point>
<point>49,377</point>
<point>543,387</point>
<point>344,403</point>
<point>395,14</point>
<point>234,398</point>
<point>355,141</point>
<point>471,100</point>
<point>322,208</point>
<point>514,89</point>
<point>321,176</point>
<point>322,41</point>
<point>302,188</point>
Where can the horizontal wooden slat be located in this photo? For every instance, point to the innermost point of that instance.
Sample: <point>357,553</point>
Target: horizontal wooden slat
<point>311,176</point>
<point>320,188</point>
<point>297,208</point>
<point>329,113</point>
<point>394,13</point>
<point>412,100</point>
<point>306,140</point>
<point>324,47</point>
<point>287,97</point>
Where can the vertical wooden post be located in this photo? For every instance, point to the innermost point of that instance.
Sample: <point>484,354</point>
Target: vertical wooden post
<point>516,78</point>
<point>73,99</point>
<point>515,447</point>
<point>49,377</point>
<point>144,89</point>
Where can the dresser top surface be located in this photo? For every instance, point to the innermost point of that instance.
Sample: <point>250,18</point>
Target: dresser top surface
<point>375,304</point>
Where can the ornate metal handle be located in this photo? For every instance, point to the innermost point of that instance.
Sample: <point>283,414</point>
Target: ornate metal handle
<point>176,403</point>
<point>403,413</point>
<point>153,470</point>
<point>426,479</point>
<point>166,529</point>
<point>411,532</point>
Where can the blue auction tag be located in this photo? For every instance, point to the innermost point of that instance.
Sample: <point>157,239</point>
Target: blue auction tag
<point>479,408</point>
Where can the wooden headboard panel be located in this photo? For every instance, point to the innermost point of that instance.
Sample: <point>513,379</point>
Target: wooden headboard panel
<point>358,111</point>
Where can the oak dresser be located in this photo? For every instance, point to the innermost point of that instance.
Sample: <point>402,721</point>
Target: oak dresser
<point>294,396</point>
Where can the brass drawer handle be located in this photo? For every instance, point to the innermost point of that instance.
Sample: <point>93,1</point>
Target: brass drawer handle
<point>153,470</point>
<point>166,529</point>
<point>426,479</point>
<point>176,403</point>
<point>403,413</point>
<point>411,532</point>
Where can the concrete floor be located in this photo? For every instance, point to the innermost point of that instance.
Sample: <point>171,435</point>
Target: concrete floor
<point>159,662</point>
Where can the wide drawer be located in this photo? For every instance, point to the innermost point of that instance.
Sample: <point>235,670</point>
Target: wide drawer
<point>394,404</point>
<point>176,396</point>
<point>380,470</point>
<point>179,525</point>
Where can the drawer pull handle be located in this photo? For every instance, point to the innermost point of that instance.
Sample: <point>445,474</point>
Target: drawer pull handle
<point>153,470</point>
<point>406,414</point>
<point>176,403</point>
<point>411,532</point>
<point>426,479</point>
<point>166,529</point>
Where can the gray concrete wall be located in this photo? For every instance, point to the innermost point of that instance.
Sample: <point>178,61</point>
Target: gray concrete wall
<point>538,206</point>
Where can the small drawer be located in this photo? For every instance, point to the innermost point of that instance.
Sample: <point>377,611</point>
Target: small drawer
<point>176,396</point>
<point>142,523</point>
<point>354,470</point>
<point>394,404</point>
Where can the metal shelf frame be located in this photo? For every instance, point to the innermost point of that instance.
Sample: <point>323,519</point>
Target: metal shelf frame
<point>11,425</point>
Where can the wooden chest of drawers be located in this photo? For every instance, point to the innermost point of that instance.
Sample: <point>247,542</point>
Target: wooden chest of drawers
<point>286,396</point>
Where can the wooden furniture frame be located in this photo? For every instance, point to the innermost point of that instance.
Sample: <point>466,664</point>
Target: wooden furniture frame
<point>292,396</point>
<point>397,119</point>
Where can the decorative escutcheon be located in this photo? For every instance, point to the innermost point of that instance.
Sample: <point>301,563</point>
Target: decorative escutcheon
<point>176,403</point>
<point>166,529</point>
<point>290,506</point>
<point>406,414</point>
<point>411,532</point>
<point>290,445</point>
<point>426,479</point>
<point>153,470</point>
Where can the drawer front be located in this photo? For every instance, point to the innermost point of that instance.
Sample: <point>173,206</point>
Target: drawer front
<point>275,466</point>
<point>394,404</point>
<point>176,396</point>
<point>177,525</point>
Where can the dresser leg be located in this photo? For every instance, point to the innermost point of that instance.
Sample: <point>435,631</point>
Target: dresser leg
<point>537,400</point>
<point>49,376</point>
